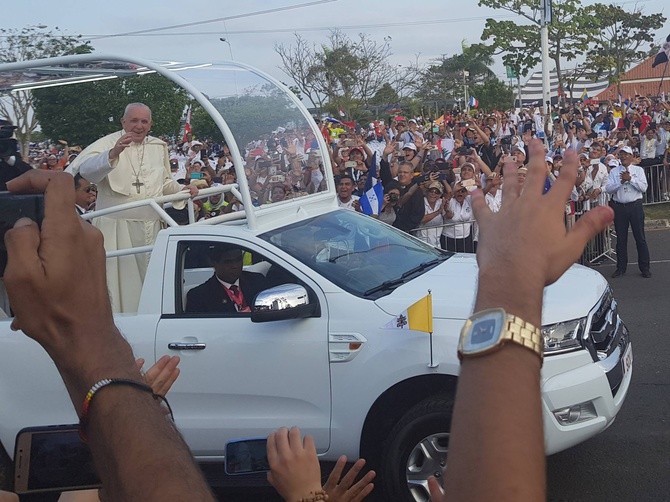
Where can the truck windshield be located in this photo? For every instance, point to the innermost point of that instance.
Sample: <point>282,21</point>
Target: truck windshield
<point>359,254</point>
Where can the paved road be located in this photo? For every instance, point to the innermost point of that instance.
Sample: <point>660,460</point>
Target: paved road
<point>631,460</point>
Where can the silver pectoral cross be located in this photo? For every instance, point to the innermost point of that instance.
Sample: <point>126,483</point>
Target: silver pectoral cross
<point>137,184</point>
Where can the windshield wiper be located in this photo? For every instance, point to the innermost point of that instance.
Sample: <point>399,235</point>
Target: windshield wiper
<point>390,284</point>
<point>401,280</point>
<point>420,267</point>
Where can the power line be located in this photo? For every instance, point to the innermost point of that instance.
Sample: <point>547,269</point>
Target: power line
<point>208,21</point>
<point>311,28</point>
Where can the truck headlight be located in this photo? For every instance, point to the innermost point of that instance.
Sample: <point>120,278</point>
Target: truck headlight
<point>562,336</point>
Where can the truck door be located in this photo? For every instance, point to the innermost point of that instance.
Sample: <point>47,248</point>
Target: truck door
<point>241,379</point>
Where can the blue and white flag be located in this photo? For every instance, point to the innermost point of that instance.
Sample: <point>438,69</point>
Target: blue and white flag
<point>373,198</point>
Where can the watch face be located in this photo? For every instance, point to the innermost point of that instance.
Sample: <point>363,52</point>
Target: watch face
<point>484,332</point>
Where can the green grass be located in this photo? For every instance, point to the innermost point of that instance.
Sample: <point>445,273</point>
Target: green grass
<point>657,211</point>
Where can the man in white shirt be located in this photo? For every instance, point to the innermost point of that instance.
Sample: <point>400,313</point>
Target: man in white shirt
<point>345,199</point>
<point>627,183</point>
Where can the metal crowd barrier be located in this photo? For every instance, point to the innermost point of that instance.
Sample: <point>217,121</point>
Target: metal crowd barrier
<point>658,184</point>
<point>600,249</point>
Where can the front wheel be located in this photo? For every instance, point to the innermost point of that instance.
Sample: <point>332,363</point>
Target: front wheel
<point>417,449</point>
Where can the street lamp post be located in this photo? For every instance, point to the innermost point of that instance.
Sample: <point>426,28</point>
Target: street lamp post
<point>230,47</point>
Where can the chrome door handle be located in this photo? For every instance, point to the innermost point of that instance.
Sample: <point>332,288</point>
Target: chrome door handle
<point>186,346</point>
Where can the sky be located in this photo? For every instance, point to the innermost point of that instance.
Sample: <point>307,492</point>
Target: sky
<point>411,26</point>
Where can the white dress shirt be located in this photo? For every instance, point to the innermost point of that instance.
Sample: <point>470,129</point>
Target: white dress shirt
<point>463,216</point>
<point>629,191</point>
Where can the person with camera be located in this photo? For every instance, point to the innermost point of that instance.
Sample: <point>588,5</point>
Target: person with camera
<point>434,210</point>
<point>11,163</point>
<point>389,210</point>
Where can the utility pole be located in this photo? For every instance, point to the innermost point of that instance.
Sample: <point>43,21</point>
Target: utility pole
<point>544,36</point>
<point>466,74</point>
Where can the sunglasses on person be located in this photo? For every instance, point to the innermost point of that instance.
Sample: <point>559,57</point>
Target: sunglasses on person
<point>434,190</point>
<point>91,188</point>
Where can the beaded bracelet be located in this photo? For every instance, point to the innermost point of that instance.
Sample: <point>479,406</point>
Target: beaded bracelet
<point>315,496</point>
<point>106,382</point>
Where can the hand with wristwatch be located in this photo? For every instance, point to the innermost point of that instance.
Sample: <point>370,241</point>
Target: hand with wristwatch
<point>496,445</point>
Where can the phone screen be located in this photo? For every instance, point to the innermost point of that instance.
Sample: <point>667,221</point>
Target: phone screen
<point>53,459</point>
<point>244,456</point>
<point>196,176</point>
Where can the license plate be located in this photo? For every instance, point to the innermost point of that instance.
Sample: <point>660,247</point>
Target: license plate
<point>627,359</point>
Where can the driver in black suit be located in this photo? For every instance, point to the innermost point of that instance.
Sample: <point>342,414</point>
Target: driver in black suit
<point>230,289</point>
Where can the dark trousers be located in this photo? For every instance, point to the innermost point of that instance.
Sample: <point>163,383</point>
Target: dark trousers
<point>625,215</point>
<point>465,245</point>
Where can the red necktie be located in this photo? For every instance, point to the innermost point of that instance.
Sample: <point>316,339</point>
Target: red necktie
<point>236,296</point>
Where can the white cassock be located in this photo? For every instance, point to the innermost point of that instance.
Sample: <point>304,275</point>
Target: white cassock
<point>142,171</point>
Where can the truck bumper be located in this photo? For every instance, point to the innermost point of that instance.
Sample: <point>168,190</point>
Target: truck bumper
<point>580,402</point>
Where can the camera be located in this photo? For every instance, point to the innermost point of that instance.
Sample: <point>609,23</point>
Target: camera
<point>506,140</point>
<point>393,197</point>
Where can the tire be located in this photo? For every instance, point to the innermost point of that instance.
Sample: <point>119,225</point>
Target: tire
<point>416,449</point>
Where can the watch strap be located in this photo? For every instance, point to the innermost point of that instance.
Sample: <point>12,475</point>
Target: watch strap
<point>523,333</point>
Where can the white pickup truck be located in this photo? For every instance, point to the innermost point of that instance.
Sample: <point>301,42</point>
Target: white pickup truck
<point>316,350</point>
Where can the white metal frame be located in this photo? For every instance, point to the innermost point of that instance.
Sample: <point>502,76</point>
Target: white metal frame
<point>240,190</point>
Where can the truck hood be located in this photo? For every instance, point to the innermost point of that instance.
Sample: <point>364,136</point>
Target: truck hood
<point>453,285</point>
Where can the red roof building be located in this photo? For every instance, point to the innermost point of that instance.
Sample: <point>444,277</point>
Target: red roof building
<point>641,79</point>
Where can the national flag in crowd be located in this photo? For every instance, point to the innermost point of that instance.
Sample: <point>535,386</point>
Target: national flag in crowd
<point>373,196</point>
<point>663,55</point>
<point>473,102</point>
<point>417,317</point>
<point>187,125</point>
<point>585,95</point>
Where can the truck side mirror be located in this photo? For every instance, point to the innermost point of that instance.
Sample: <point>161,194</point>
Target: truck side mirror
<point>288,301</point>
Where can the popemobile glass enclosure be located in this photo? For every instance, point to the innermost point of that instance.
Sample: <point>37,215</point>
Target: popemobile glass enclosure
<point>233,104</point>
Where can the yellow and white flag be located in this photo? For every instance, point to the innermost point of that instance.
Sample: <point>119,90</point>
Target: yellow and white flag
<point>417,317</point>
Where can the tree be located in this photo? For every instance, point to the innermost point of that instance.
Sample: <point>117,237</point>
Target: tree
<point>621,38</point>
<point>493,95</point>
<point>344,70</point>
<point>443,81</point>
<point>83,113</point>
<point>32,42</point>
<point>520,45</point>
<point>253,115</point>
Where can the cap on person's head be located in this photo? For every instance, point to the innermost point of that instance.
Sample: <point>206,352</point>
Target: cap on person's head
<point>613,163</point>
<point>583,155</point>
<point>517,148</point>
<point>411,121</point>
<point>549,159</point>
<point>355,149</point>
<point>195,143</point>
<point>522,170</point>
<point>409,146</point>
<point>626,149</point>
<point>436,184</point>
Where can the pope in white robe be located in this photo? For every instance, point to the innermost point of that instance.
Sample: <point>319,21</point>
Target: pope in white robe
<point>127,166</point>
